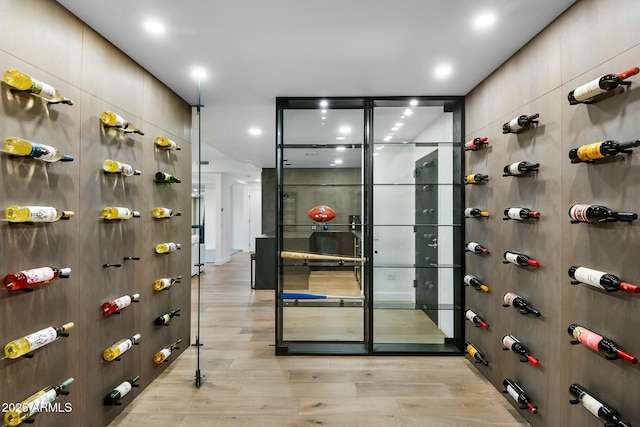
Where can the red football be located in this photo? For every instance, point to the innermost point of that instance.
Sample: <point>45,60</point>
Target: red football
<point>321,213</point>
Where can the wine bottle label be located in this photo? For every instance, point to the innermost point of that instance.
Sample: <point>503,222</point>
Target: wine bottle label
<point>38,275</point>
<point>119,121</point>
<point>126,169</point>
<point>511,257</point>
<point>513,169</point>
<point>124,388</point>
<point>514,213</point>
<point>166,352</point>
<point>467,212</point>
<point>590,151</point>
<point>172,145</point>
<point>41,88</point>
<point>471,350</point>
<point>41,338</point>
<point>513,393</point>
<point>470,179</point>
<point>579,212</point>
<point>124,212</point>
<point>42,401</point>
<point>588,90</point>
<point>122,302</point>
<point>587,337</point>
<point>163,212</point>
<point>42,214</point>
<point>47,152</point>
<point>166,282</point>
<point>166,318</point>
<point>470,315</point>
<point>510,297</point>
<point>589,276</point>
<point>124,346</point>
<point>172,247</point>
<point>514,125</point>
<point>591,404</point>
<point>508,341</point>
<point>467,279</point>
<point>473,246</point>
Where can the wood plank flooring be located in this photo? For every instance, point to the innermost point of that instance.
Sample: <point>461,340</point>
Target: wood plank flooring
<point>246,385</point>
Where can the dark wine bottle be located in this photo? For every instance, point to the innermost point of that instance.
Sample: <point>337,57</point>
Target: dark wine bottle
<point>588,92</point>
<point>516,301</point>
<point>519,259</point>
<point>598,213</point>
<point>520,168</point>
<point>476,144</point>
<point>598,343</point>
<point>477,355</point>
<point>473,281</point>
<point>113,398</point>
<point>518,394</point>
<point>601,150</point>
<point>520,214</point>
<point>512,343</point>
<point>164,319</point>
<point>600,279</point>
<point>477,320</point>
<point>477,178</point>
<point>476,248</point>
<point>603,411</point>
<point>475,213</point>
<point>520,124</point>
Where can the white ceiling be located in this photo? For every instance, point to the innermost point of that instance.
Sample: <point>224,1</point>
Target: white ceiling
<point>256,50</point>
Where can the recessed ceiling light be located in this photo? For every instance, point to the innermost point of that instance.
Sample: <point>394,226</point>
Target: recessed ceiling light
<point>340,138</point>
<point>338,161</point>
<point>380,147</point>
<point>258,180</point>
<point>413,102</point>
<point>399,124</point>
<point>387,138</point>
<point>332,164</point>
<point>154,27</point>
<point>198,73</point>
<point>408,112</point>
<point>255,131</point>
<point>340,148</point>
<point>324,118</point>
<point>344,129</point>
<point>395,128</point>
<point>323,123</point>
<point>323,111</point>
<point>375,154</point>
<point>324,103</point>
<point>484,20</point>
<point>442,71</point>
<point>402,117</point>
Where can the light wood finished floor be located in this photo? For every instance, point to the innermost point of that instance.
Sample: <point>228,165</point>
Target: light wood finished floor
<point>246,385</point>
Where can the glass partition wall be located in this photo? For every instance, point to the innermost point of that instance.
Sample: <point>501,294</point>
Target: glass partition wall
<point>369,225</point>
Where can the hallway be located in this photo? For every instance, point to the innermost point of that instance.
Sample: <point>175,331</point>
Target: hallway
<point>246,385</point>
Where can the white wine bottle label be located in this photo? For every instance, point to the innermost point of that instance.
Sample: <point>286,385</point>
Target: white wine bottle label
<point>588,90</point>
<point>40,338</point>
<point>511,257</point>
<point>509,297</point>
<point>508,341</point>
<point>589,276</point>
<point>590,151</point>
<point>42,214</point>
<point>588,338</point>
<point>513,393</point>
<point>41,402</point>
<point>124,388</point>
<point>125,346</point>
<point>579,212</point>
<point>514,213</point>
<point>172,247</point>
<point>591,404</point>
<point>126,169</point>
<point>122,302</point>
<point>166,352</point>
<point>124,212</point>
<point>470,315</point>
<point>119,121</point>
<point>166,282</point>
<point>513,169</point>
<point>172,145</point>
<point>48,152</point>
<point>514,125</point>
<point>38,275</point>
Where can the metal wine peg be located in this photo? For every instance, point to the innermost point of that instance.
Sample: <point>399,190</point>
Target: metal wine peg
<point>111,265</point>
<point>132,258</point>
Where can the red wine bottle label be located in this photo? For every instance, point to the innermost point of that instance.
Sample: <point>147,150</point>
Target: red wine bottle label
<point>590,152</point>
<point>511,257</point>
<point>38,275</point>
<point>513,169</point>
<point>41,402</point>
<point>124,388</point>
<point>510,297</point>
<point>586,337</point>
<point>591,404</point>
<point>589,276</point>
<point>513,393</point>
<point>588,90</point>
<point>514,213</point>
<point>514,125</point>
<point>40,338</point>
<point>122,302</point>
<point>508,341</point>
<point>579,213</point>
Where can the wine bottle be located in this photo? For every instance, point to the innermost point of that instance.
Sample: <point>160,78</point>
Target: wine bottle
<point>164,319</point>
<point>477,355</point>
<point>520,214</point>
<point>36,214</point>
<point>477,178</point>
<point>35,403</point>
<point>476,144</point>
<point>34,341</point>
<point>22,148</point>
<point>520,123</point>
<point>519,259</point>
<point>473,281</point>
<point>166,143</point>
<point>24,82</point>
<point>600,150</point>
<point>603,411</point>
<point>518,394</point>
<point>111,212</point>
<point>163,354</point>
<point>475,248</point>
<point>27,279</point>
<point>114,397</point>
<point>512,343</point>
<point>116,350</point>
<point>166,178</point>
<point>114,166</point>
<point>598,213</point>
<point>598,342</point>
<point>600,279</point>
<point>165,248</point>
<point>165,283</point>
<point>475,213</point>
<point>114,306</point>
<point>160,213</point>
<point>589,91</point>
<point>516,301</point>
<point>111,119</point>
<point>477,320</point>
<point>520,168</point>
